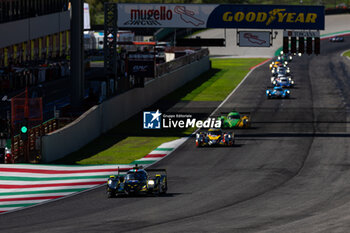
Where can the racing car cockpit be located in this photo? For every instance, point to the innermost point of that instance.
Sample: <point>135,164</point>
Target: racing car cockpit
<point>233,116</point>
<point>140,175</point>
<point>214,132</point>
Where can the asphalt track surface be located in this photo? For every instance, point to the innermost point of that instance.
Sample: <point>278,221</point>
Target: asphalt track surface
<point>289,173</point>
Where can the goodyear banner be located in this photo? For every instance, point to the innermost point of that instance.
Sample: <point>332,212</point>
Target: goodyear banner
<point>221,16</point>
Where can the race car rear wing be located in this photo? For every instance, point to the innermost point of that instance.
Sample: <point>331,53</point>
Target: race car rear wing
<point>156,172</point>
<point>241,113</point>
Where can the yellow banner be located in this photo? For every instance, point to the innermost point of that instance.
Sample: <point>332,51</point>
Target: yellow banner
<point>24,49</point>
<point>60,43</point>
<point>15,52</point>
<point>47,46</point>
<point>40,47</point>
<point>32,49</point>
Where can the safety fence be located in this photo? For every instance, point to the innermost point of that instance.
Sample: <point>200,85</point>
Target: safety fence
<point>192,56</point>
<point>29,150</point>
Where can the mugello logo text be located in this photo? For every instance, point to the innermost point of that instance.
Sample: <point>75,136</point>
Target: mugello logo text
<point>276,14</point>
<point>158,14</point>
<point>149,16</point>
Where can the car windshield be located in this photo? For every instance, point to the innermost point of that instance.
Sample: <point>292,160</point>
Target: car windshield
<point>278,88</point>
<point>215,133</point>
<point>234,117</point>
<point>282,71</point>
<point>136,176</point>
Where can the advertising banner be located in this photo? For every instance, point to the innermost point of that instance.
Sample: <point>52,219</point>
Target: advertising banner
<point>221,16</point>
<point>86,16</point>
<point>164,15</point>
<point>141,68</point>
<point>301,33</point>
<point>1,56</point>
<point>254,39</point>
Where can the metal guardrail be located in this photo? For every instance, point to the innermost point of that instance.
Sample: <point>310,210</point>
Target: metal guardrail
<point>168,67</point>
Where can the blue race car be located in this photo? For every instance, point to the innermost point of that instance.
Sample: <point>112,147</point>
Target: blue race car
<point>336,39</point>
<point>277,92</point>
<point>283,81</point>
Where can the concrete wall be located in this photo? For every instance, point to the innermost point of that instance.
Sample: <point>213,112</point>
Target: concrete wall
<point>110,113</point>
<point>27,29</point>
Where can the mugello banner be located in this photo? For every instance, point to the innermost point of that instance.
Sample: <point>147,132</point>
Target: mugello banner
<point>221,16</point>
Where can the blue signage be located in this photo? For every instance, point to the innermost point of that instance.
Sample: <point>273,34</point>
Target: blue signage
<point>152,120</point>
<point>267,17</point>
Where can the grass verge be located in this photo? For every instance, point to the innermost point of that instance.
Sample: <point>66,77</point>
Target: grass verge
<point>129,141</point>
<point>224,76</point>
<point>347,53</point>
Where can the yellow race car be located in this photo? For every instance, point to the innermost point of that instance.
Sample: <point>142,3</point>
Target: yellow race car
<point>214,137</point>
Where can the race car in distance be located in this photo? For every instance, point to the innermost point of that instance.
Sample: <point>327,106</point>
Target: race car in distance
<point>285,70</point>
<point>275,64</point>
<point>277,92</point>
<point>286,57</point>
<point>235,119</point>
<point>138,181</point>
<point>336,39</point>
<point>214,137</point>
<point>283,81</point>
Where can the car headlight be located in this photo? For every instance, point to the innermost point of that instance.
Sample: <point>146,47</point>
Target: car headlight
<point>267,91</point>
<point>151,182</point>
<point>286,62</point>
<point>281,52</point>
<point>290,57</point>
<point>292,82</point>
<point>288,92</point>
<point>299,54</point>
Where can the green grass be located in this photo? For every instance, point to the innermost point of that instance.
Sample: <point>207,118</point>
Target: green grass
<point>225,75</point>
<point>129,141</point>
<point>347,53</point>
<point>127,150</point>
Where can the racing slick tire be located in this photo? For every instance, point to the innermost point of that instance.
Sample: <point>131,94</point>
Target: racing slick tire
<point>110,194</point>
<point>165,188</point>
<point>158,192</point>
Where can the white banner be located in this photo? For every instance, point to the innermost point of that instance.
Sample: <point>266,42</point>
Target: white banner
<point>164,15</point>
<point>254,39</point>
<point>86,16</point>
<point>301,33</point>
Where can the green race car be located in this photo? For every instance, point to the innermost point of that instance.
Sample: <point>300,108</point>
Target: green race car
<point>235,119</point>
